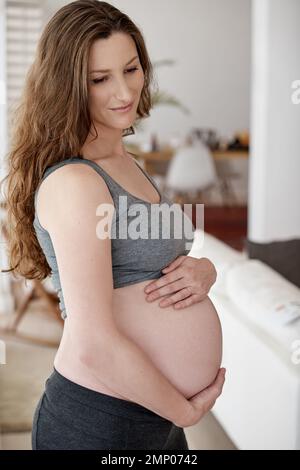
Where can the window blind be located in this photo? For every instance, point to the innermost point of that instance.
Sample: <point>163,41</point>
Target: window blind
<point>24,19</point>
<point>22,28</point>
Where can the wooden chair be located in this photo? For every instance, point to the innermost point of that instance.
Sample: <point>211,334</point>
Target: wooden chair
<point>24,297</point>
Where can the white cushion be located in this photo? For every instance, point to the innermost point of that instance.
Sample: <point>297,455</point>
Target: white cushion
<point>267,299</point>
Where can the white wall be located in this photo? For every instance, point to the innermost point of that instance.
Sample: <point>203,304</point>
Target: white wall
<point>274,189</point>
<point>210,42</point>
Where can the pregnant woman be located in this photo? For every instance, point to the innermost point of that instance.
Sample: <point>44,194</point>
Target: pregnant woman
<point>132,368</point>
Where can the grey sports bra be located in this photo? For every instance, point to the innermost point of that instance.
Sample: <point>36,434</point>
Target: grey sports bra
<point>149,244</point>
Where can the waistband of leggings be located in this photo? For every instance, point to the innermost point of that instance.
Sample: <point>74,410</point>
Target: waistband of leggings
<point>58,384</point>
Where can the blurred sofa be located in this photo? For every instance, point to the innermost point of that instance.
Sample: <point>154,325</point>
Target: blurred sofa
<point>260,316</point>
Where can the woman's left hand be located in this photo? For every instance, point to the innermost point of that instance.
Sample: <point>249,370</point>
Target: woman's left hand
<point>186,281</point>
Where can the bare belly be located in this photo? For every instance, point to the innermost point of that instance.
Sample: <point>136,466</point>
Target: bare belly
<point>185,344</point>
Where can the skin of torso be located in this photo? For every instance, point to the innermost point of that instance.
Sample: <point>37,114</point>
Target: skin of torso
<point>184,344</point>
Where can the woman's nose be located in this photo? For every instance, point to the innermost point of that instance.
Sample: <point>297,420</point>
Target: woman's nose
<point>122,91</point>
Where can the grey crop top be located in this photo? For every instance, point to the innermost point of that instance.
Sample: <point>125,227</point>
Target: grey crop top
<point>134,259</point>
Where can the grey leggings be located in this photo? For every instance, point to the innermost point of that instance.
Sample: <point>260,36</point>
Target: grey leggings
<point>70,416</point>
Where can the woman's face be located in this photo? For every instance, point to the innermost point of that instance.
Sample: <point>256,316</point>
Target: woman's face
<point>121,84</point>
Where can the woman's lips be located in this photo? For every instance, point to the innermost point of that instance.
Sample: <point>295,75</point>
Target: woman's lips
<point>123,110</point>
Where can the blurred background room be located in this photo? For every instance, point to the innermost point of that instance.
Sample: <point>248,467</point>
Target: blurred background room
<point>223,132</point>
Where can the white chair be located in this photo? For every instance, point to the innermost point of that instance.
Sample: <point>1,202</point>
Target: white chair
<point>191,172</point>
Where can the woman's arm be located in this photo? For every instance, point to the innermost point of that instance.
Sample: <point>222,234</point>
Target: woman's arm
<point>85,267</point>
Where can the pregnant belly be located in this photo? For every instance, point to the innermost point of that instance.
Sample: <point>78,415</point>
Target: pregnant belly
<point>185,344</point>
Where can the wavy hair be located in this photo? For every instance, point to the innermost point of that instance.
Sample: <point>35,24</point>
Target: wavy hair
<point>52,120</point>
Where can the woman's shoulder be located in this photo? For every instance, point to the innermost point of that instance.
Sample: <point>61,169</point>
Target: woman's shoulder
<point>66,186</point>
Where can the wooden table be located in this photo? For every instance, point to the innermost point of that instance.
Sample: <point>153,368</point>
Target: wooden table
<point>229,154</point>
<point>152,159</point>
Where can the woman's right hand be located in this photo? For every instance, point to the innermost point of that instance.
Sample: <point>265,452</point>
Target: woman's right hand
<point>205,400</point>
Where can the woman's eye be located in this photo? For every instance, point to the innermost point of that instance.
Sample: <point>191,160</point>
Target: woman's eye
<point>101,80</point>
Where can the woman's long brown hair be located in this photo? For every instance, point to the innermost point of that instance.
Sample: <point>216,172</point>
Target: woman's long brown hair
<point>52,120</point>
